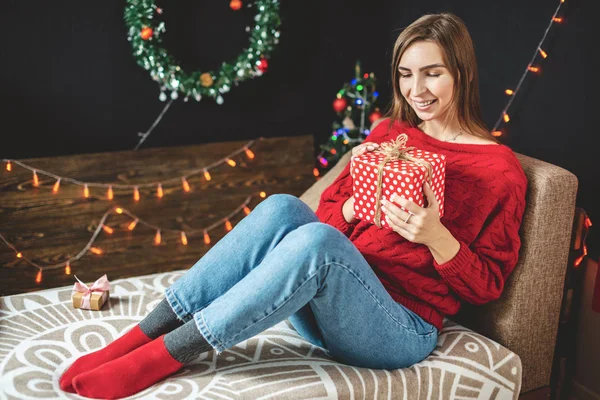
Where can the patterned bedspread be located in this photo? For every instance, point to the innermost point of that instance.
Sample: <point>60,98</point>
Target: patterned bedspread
<point>41,334</point>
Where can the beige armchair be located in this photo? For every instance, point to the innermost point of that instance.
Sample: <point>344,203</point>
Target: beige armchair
<point>496,351</point>
<point>525,318</point>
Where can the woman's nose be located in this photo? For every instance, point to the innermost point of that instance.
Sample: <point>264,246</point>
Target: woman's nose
<point>418,87</point>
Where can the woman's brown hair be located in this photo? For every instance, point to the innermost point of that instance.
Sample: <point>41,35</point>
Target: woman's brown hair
<point>450,33</point>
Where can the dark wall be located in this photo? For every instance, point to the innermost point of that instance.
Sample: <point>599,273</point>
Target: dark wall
<point>70,83</point>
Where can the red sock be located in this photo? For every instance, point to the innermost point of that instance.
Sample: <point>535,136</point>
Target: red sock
<point>123,345</point>
<point>129,374</point>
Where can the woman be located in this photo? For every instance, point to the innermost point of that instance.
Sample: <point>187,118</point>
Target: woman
<point>371,297</point>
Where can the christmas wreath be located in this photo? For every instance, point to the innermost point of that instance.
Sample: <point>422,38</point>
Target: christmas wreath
<point>145,30</point>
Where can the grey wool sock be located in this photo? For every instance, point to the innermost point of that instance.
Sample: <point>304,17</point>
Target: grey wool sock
<point>186,343</point>
<point>161,320</point>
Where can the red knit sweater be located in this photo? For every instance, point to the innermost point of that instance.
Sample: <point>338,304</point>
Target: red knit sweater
<point>484,204</point>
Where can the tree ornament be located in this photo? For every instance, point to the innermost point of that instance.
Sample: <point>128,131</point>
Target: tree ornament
<point>375,115</point>
<point>206,80</point>
<point>145,32</point>
<point>339,104</point>
<point>263,65</point>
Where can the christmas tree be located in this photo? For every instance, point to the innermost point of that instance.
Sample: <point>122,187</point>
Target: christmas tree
<point>355,106</point>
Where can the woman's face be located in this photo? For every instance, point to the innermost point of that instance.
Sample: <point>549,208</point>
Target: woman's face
<point>425,82</point>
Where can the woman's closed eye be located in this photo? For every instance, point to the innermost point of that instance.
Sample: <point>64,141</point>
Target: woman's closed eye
<point>409,75</point>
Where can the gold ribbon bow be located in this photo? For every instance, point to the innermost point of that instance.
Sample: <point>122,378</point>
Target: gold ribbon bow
<point>392,151</point>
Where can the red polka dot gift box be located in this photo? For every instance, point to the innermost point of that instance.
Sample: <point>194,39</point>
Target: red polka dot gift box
<point>395,168</point>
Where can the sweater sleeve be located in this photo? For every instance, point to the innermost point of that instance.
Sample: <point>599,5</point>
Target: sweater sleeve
<point>333,198</point>
<point>477,273</point>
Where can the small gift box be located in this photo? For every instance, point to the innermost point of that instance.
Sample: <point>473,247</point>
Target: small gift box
<point>91,297</point>
<point>395,168</point>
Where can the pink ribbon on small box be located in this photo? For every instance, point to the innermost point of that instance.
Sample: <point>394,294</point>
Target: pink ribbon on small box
<point>101,285</point>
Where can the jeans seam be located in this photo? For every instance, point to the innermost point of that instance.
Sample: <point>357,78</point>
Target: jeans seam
<point>212,335</point>
<point>178,309</point>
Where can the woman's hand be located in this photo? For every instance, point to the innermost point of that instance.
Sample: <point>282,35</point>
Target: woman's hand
<point>362,148</point>
<point>424,225</point>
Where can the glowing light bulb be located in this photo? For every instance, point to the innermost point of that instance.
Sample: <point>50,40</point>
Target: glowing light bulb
<point>157,237</point>
<point>533,69</point>
<point>246,210</point>
<point>506,117</point>
<point>38,277</point>
<point>316,171</point>
<point>333,151</point>
<point>508,92</point>
<point>86,191</point>
<point>346,141</point>
<point>68,269</point>
<point>19,255</point>
<point>8,166</point>
<point>159,191</point>
<point>184,240</point>
<point>206,175</point>
<point>109,194</point>
<point>263,194</point>
<point>56,186</point>
<point>228,226</point>
<point>557,19</point>
<point>231,162</point>
<point>36,180</point>
<point>249,153</point>
<point>107,229</point>
<point>206,238</point>
<point>543,53</point>
<point>497,133</point>
<point>96,250</point>
<point>136,194</point>
<point>186,185</point>
<point>132,225</point>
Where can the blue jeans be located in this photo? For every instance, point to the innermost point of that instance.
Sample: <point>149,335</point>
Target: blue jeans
<point>280,262</point>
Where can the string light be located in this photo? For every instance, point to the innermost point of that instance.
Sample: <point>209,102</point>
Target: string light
<point>86,191</point>
<point>316,171</point>
<point>186,185</point>
<point>103,226</point>
<point>263,194</point>
<point>110,186</point>
<point>508,92</point>
<point>132,225</point>
<point>38,278</point>
<point>159,191</point>
<point>530,68</point>
<point>136,194</point>
<point>56,186</point>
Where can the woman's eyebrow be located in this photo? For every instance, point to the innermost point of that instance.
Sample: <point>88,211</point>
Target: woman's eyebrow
<point>436,65</point>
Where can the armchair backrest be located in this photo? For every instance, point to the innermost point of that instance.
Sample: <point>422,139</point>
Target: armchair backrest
<point>525,318</point>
